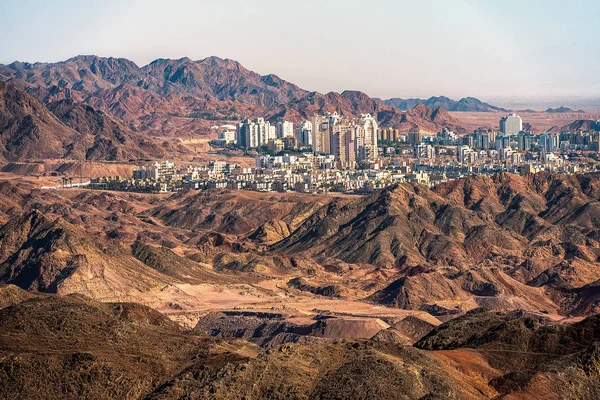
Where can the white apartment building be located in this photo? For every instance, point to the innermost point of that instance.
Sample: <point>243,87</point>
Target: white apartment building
<point>255,133</point>
<point>366,137</point>
<point>304,133</point>
<point>349,140</point>
<point>424,151</point>
<point>549,141</point>
<point>163,170</point>
<point>466,155</point>
<point>511,124</point>
<point>285,129</point>
<point>227,134</point>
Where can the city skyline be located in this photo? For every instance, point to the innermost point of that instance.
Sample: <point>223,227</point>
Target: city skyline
<point>460,49</point>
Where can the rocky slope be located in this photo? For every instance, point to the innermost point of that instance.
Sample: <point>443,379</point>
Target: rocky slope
<point>56,347</point>
<point>28,129</point>
<point>305,278</point>
<point>464,104</point>
<point>156,98</point>
<point>104,137</point>
<point>65,129</point>
<point>536,358</point>
<point>562,109</point>
<point>80,77</point>
<point>350,103</point>
<point>504,242</point>
<point>581,125</point>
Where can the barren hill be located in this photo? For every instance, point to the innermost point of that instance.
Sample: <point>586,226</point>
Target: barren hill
<point>152,98</point>
<point>464,104</point>
<point>104,137</point>
<point>501,242</point>
<point>56,347</point>
<point>354,103</point>
<point>30,130</point>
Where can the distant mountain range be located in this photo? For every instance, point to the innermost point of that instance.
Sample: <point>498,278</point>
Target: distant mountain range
<point>164,98</point>
<point>562,109</point>
<point>175,98</point>
<point>464,104</point>
<point>577,125</point>
<point>351,102</point>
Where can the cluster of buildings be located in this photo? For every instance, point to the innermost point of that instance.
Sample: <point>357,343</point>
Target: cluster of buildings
<point>352,141</point>
<point>344,155</point>
<point>307,173</point>
<point>257,132</point>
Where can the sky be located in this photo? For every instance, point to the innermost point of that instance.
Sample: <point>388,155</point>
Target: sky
<point>391,48</point>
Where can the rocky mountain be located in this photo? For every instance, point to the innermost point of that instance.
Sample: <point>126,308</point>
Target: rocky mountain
<point>29,130</point>
<point>562,109</point>
<point>75,347</point>
<point>464,104</point>
<point>39,253</point>
<point>65,129</point>
<point>495,241</point>
<point>185,96</point>
<point>75,78</point>
<point>211,78</point>
<point>302,296</point>
<point>103,136</point>
<point>221,79</point>
<point>355,103</point>
<point>205,90</point>
<point>581,125</point>
<point>504,242</point>
<point>528,351</point>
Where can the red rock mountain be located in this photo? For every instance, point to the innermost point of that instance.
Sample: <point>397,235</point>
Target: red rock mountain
<point>496,241</point>
<point>155,98</point>
<point>64,129</point>
<point>354,103</point>
<point>29,130</point>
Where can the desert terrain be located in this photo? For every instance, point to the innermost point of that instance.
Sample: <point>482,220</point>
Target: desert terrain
<point>481,288</point>
<point>539,121</point>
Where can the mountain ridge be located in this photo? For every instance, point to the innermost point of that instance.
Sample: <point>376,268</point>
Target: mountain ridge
<point>65,129</point>
<point>464,104</point>
<point>205,90</point>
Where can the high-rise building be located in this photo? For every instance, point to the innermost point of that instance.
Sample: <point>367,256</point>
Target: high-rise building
<point>468,141</point>
<point>343,146</point>
<point>481,139</point>
<point>502,142</point>
<point>304,134</point>
<point>255,133</point>
<point>227,134</point>
<point>424,151</point>
<point>466,155</point>
<point>414,137</point>
<point>321,141</point>
<point>524,140</point>
<point>366,137</point>
<point>350,140</point>
<point>549,142</point>
<point>285,129</point>
<point>511,124</point>
<point>387,135</point>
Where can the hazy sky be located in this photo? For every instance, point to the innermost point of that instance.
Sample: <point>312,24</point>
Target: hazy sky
<point>384,48</point>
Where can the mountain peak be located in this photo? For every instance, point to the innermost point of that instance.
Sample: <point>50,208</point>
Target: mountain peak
<point>464,104</point>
